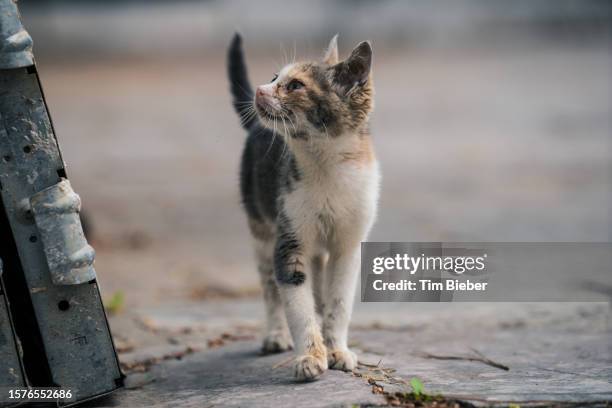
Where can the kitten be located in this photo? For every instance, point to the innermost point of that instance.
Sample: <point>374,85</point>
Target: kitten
<point>309,181</point>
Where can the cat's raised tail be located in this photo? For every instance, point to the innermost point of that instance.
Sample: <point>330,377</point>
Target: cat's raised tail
<point>239,82</point>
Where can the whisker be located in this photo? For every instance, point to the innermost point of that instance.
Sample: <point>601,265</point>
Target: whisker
<point>326,134</point>
<point>247,109</point>
<point>286,112</point>
<point>282,153</point>
<point>285,127</point>
<point>284,53</point>
<point>271,144</point>
<point>247,115</point>
<point>241,87</point>
<point>274,129</point>
<point>292,124</point>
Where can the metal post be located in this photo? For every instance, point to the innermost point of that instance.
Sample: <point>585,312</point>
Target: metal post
<point>49,279</point>
<point>12,375</point>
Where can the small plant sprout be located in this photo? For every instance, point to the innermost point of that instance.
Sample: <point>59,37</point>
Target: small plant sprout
<point>417,386</point>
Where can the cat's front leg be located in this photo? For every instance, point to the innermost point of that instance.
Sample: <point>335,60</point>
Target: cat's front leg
<point>299,305</point>
<point>342,278</point>
<point>294,277</point>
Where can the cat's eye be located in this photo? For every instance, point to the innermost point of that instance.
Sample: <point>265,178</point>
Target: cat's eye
<point>274,78</point>
<point>294,85</point>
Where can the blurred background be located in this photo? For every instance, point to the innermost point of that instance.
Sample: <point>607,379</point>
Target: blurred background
<point>492,123</point>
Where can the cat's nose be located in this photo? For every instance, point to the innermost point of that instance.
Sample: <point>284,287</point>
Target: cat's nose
<point>260,97</point>
<point>259,92</point>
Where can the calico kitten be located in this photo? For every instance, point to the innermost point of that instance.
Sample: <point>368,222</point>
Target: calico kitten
<point>309,181</point>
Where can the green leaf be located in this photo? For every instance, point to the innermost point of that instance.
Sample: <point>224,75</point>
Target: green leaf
<point>417,386</point>
<point>115,304</point>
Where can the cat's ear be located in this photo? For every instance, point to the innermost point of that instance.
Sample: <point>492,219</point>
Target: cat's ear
<point>355,70</point>
<point>331,54</point>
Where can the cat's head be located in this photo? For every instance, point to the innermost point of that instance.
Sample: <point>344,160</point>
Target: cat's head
<point>319,100</point>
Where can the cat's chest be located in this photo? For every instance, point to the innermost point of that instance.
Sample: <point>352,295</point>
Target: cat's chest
<point>345,194</point>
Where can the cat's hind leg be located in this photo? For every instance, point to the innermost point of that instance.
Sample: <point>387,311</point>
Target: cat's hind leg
<point>276,337</point>
<point>319,264</point>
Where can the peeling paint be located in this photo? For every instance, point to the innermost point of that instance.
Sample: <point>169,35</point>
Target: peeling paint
<point>32,177</point>
<point>37,290</point>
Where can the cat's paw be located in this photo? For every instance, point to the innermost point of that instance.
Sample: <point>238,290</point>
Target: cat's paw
<point>277,342</point>
<point>344,360</point>
<point>309,367</point>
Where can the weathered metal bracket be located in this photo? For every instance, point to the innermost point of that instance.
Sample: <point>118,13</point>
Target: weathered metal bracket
<point>56,213</point>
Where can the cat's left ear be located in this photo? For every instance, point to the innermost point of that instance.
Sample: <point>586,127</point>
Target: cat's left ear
<point>331,54</point>
<point>355,70</point>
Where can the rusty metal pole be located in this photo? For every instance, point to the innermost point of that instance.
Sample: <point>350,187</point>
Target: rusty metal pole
<point>48,285</point>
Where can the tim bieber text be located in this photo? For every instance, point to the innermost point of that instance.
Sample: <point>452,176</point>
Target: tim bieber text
<point>429,285</point>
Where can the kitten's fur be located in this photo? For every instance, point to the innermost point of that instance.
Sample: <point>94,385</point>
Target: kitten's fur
<point>309,183</point>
